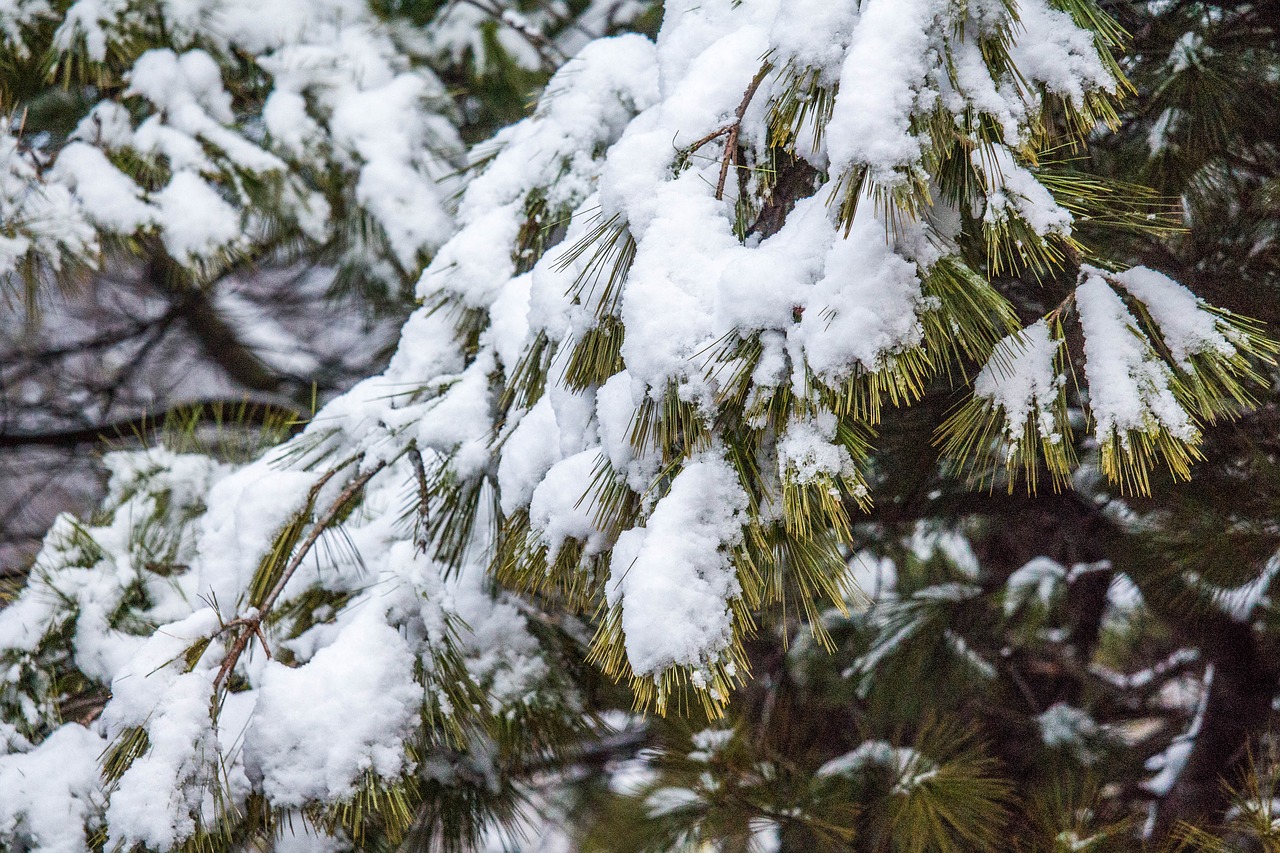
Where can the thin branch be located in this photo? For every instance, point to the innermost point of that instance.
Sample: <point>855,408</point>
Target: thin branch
<point>715,134</point>
<point>248,412</point>
<point>731,130</point>
<point>252,625</point>
<point>731,144</point>
<point>106,340</point>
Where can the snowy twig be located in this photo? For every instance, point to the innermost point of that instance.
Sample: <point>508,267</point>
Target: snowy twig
<point>731,130</point>
<point>252,624</point>
<point>731,144</point>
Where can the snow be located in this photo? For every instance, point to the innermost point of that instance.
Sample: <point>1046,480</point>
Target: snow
<point>806,451</point>
<point>615,413</point>
<point>528,453</point>
<point>971,79</point>
<point>49,795</point>
<point>792,31</point>
<point>882,83</point>
<point>472,269</point>
<point>1243,601</point>
<point>341,96</point>
<point>558,508</point>
<point>864,308</point>
<point>187,87</point>
<point>192,108</point>
<point>1169,764</point>
<point>267,338</point>
<point>1129,386</point>
<point>300,836</point>
<point>673,578</point>
<point>1185,52</point>
<point>381,650</point>
<point>40,219</point>
<point>83,20</point>
<point>109,197</point>
<point>708,742</point>
<point>311,742</point>
<point>1022,379</point>
<point>246,511</point>
<point>1053,51</point>
<point>1012,188</point>
<point>950,591</point>
<point>1144,677</point>
<point>198,222</point>
<point>18,15</point>
<point>663,307</point>
<point>907,765</point>
<point>761,287</point>
<point>1186,324</point>
<point>384,128</point>
<point>874,576</point>
<point>667,800</point>
<point>1165,125</point>
<point>930,540</point>
<point>160,798</point>
<point>399,636</point>
<point>1037,581</point>
<point>1066,727</point>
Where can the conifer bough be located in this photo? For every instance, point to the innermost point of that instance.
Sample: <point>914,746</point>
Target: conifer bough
<point>643,387</point>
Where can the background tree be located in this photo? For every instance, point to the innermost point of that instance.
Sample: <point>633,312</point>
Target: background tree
<point>281,317</point>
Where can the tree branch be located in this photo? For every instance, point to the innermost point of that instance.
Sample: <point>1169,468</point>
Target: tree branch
<point>241,412</point>
<point>201,316</point>
<point>731,144</point>
<point>731,130</point>
<point>251,626</point>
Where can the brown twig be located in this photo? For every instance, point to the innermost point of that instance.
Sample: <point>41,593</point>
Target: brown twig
<point>731,144</point>
<point>715,134</point>
<point>252,625</point>
<point>731,130</point>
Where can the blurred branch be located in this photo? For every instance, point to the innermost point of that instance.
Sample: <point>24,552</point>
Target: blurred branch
<point>215,412</point>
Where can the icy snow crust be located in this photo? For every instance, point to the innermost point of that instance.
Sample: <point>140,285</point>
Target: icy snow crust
<point>362,632</point>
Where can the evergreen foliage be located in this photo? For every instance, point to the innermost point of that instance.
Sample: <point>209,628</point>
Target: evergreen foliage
<point>696,509</point>
<point>213,136</point>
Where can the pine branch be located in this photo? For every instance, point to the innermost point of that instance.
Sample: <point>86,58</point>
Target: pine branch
<point>251,625</point>
<point>245,412</point>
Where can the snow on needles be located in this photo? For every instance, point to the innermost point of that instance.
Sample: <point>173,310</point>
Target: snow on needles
<point>136,595</point>
<point>1129,385</point>
<point>343,98</point>
<point>1022,379</point>
<point>674,579</point>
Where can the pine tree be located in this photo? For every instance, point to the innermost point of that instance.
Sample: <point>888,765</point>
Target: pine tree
<point>699,319</point>
<point>209,136</point>
<point>282,319</point>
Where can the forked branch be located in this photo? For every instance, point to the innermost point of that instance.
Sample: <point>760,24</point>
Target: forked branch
<point>251,625</point>
<point>731,130</point>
